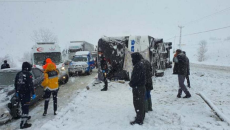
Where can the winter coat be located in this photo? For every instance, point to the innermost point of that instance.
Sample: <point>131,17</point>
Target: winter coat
<point>148,70</point>
<point>180,66</point>
<point>188,66</point>
<point>138,77</point>
<point>50,78</point>
<point>5,65</point>
<point>24,80</point>
<point>48,60</point>
<point>104,65</point>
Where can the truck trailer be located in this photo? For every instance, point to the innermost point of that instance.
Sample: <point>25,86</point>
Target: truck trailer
<point>117,49</point>
<point>76,46</point>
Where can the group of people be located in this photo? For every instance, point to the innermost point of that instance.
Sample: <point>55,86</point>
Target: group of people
<point>24,88</point>
<point>141,83</point>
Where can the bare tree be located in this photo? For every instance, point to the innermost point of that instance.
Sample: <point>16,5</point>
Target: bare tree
<point>202,50</point>
<point>44,35</point>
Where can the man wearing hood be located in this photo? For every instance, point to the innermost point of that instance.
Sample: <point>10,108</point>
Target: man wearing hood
<point>48,60</point>
<point>51,86</point>
<point>104,69</point>
<point>148,85</point>
<point>137,82</point>
<point>5,65</point>
<point>180,68</point>
<point>23,88</point>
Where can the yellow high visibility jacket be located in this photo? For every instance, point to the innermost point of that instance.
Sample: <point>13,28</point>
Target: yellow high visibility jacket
<point>50,78</point>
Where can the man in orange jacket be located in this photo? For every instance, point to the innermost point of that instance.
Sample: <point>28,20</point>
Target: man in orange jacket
<point>51,86</point>
<point>48,60</point>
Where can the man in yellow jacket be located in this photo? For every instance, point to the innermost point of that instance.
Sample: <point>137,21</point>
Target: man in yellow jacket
<point>51,86</point>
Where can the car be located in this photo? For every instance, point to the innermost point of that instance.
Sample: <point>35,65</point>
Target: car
<point>10,108</point>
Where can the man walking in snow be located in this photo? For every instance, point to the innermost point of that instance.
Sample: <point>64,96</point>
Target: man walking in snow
<point>188,70</point>
<point>5,65</point>
<point>104,69</point>
<point>180,68</point>
<point>23,88</point>
<point>51,86</point>
<point>137,82</point>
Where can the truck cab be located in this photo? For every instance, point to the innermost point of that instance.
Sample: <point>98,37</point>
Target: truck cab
<point>81,63</point>
<point>41,51</point>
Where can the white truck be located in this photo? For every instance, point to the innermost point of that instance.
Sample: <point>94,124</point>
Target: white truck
<point>41,51</point>
<point>76,46</point>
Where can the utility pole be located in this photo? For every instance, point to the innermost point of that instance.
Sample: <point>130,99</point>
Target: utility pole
<point>180,36</point>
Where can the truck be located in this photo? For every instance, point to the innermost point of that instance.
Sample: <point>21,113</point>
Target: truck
<point>41,51</point>
<point>117,51</point>
<point>81,63</point>
<point>76,46</point>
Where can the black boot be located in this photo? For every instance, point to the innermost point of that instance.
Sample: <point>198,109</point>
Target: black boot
<point>104,89</point>
<point>135,122</point>
<point>105,86</point>
<point>55,113</point>
<point>179,93</point>
<point>188,95</point>
<point>45,112</point>
<point>26,125</point>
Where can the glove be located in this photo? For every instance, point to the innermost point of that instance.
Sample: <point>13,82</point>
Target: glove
<point>16,94</point>
<point>103,71</point>
<point>34,96</point>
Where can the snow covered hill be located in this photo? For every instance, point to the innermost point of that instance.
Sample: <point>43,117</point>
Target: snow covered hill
<point>113,110</point>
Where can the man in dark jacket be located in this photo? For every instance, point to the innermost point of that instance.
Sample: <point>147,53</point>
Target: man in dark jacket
<point>5,65</point>
<point>188,70</point>
<point>148,85</point>
<point>23,88</point>
<point>137,82</point>
<point>104,69</point>
<point>180,68</point>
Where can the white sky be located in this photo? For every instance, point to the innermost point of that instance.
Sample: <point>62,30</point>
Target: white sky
<point>90,19</point>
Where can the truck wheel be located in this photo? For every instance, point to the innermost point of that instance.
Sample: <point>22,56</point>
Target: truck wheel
<point>159,74</point>
<point>16,111</point>
<point>89,72</point>
<point>70,74</point>
<point>66,79</point>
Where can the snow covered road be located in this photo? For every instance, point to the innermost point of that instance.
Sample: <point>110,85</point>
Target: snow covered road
<point>113,109</point>
<point>93,109</point>
<point>64,97</point>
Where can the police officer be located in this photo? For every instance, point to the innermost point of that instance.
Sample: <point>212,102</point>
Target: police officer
<point>23,88</point>
<point>5,65</point>
<point>51,86</point>
<point>104,69</point>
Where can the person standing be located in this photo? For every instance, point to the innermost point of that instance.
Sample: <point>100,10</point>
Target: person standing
<point>188,70</point>
<point>104,69</point>
<point>137,82</point>
<point>47,61</point>
<point>148,85</point>
<point>51,86</point>
<point>23,88</point>
<point>5,65</point>
<point>180,68</point>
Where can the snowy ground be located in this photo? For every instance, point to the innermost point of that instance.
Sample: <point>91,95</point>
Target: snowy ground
<point>94,110</point>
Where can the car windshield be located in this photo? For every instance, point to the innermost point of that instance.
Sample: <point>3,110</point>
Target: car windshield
<point>39,58</point>
<point>7,78</point>
<point>76,59</point>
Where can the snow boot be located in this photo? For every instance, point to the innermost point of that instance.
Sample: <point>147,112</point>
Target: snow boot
<point>179,93</point>
<point>45,112</point>
<point>55,113</point>
<point>26,125</point>
<point>135,122</point>
<point>146,106</point>
<point>150,104</point>
<point>188,95</point>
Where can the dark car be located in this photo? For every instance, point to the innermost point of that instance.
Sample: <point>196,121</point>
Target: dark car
<point>9,106</point>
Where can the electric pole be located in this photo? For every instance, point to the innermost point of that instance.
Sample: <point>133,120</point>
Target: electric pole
<point>180,36</point>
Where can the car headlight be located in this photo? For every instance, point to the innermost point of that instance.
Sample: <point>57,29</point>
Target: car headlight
<point>63,68</point>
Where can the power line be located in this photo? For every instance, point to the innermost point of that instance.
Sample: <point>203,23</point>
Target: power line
<point>211,30</point>
<point>207,16</point>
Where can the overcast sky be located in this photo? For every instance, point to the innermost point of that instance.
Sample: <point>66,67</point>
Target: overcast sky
<point>90,19</point>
